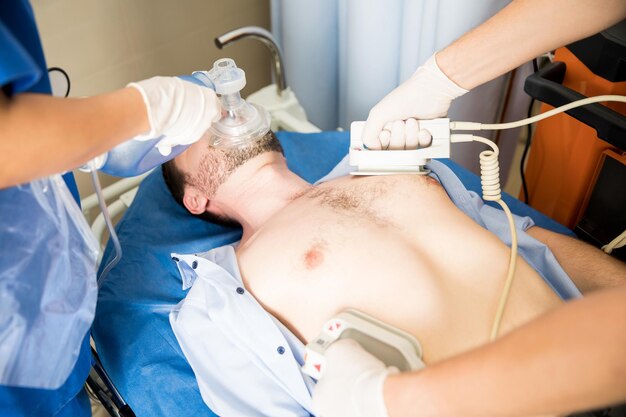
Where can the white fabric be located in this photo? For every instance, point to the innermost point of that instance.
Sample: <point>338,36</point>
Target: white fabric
<point>245,361</point>
<point>179,110</point>
<point>352,386</point>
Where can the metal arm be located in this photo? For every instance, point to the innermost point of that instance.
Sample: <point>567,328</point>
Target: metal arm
<point>265,37</point>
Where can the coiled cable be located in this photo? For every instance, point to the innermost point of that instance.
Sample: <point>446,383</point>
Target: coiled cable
<point>490,184</point>
<point>618,242</point>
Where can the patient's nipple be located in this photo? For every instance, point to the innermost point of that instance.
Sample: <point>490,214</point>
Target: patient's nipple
<point>314,257</point>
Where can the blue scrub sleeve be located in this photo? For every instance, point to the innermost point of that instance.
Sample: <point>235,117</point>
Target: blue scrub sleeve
<point>18,69</point>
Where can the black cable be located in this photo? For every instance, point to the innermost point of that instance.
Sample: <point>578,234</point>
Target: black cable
<point>525,153</point>
<point>67,78</point>
<point>528,140</point>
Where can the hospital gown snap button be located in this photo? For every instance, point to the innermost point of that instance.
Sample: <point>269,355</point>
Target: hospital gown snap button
<point>194,265</point>
<point>240,290</point>
<point>280,350</point>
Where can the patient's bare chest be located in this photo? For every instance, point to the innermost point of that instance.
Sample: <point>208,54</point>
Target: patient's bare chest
<point>356,244</point>
<point>395,248</point>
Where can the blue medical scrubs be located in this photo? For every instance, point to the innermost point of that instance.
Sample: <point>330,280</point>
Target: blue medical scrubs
<point>23,69</point>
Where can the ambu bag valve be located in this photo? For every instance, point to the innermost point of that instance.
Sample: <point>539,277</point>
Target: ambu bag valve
<point>241,123</point>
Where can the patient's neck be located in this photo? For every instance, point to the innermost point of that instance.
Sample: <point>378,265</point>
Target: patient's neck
<point>257,190</point>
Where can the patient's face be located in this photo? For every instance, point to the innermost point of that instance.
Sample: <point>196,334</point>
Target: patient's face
<point>206,167</point>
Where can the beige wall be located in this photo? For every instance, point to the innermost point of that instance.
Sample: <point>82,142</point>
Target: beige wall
<point>105,44</point>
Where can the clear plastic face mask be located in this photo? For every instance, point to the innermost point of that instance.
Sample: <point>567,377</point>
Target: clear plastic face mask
<point>241,122</point>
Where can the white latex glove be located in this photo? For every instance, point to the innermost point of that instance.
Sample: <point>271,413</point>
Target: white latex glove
<point>426,95</point>
<point>352,384</point>
<point>179,110</point>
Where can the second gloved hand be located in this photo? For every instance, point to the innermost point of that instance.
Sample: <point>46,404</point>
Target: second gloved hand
<point>179,110</point>
<point>426,95</point>
<point>352,384</point>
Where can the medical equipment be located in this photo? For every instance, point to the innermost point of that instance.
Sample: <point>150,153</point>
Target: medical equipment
<point>388,162</point>
<point>384,162</point>
<point>394,347</point>
<point>587,182</point>
<point>278,98</point>
<point>241,123</point>
<point>590,67</point>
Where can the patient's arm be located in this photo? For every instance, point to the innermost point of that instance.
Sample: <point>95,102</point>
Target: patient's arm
<point>589,267</point>
<point>570,359</point>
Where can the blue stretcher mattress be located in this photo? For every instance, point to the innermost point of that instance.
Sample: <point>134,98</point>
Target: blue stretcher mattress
<point>131,329</point>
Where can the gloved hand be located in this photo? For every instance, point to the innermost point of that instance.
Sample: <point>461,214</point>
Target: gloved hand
<point>426,95</point>
<point>179,110</point>
<point>352,384</point>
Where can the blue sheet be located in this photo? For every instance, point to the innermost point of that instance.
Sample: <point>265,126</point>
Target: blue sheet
<point>132,331</point>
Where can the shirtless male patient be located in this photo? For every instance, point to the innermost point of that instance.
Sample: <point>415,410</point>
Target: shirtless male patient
<point>394,247</point>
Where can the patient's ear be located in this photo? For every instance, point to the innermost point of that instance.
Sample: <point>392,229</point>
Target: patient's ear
<point>195,202</point>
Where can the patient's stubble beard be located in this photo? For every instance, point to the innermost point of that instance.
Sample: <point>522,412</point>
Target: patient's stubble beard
<point>215,167</point>
<point>217,164</point>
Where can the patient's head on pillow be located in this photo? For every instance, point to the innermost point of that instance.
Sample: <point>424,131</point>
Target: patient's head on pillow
<point>195,176</point>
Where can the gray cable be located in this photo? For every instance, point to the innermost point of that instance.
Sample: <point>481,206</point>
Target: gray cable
<point>107,219</point>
